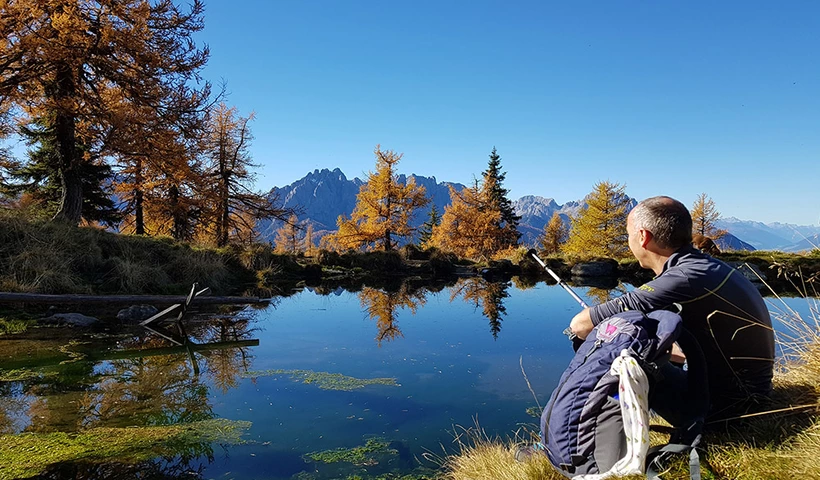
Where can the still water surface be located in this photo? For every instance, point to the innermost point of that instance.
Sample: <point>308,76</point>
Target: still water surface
<point>454,357</point>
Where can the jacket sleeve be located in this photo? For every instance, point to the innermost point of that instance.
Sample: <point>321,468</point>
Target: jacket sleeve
<point>673,286</point>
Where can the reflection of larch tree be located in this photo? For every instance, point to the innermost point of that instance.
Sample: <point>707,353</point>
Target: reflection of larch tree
<point>489,296</point>
<point>601,295</point>
<point>225,366</point>
<point>384,306</point>
<point>159,390</point>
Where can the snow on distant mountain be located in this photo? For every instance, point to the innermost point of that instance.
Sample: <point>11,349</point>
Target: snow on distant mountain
<point>771,236</point>
<point>808,243</point>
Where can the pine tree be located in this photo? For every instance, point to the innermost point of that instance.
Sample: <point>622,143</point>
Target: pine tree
<point>426,230</point>
<point>493,180</point>
<point>38,180</point>
<point>599,229</point>
<point>91,65</point>
<point>704,215</point>
<point>383,209</point>
<point>555,234</point>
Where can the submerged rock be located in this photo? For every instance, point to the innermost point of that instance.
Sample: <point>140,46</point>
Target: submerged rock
<point>73,319</point>
<point>136,313</point>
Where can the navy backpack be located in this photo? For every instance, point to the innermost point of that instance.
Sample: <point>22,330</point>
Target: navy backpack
<point>581,425</point>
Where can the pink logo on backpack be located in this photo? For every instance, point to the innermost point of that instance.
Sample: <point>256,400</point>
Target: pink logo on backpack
<point>610,328</point>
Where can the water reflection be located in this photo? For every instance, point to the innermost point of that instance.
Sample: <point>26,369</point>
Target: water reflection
<point>144,380</point>
<point>486,295</point>
<point>384,306</point>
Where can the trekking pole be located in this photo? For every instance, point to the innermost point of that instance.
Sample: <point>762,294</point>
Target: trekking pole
<point>576,341</point>
<point>558,279</point>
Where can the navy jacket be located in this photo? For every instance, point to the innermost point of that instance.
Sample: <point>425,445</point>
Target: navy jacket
<point>725,313</point>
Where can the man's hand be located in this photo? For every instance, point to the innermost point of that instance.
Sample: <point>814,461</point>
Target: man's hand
<point>581,324</point>
<point>677,355</point>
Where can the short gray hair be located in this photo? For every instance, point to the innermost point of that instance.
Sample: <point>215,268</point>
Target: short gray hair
<point>667,219</point>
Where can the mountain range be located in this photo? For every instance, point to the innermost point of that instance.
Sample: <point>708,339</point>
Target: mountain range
<point>322,195</point>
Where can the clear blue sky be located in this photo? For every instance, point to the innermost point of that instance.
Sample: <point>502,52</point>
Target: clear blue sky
<point>673,98</point>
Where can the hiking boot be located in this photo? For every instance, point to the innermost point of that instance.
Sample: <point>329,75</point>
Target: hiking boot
<point>525,452</point>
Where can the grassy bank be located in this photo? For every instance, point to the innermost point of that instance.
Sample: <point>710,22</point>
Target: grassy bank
<point>47,257</point>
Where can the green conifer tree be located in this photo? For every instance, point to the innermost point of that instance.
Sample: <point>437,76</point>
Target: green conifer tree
<point>39,178</point>
<point>426,229</point>
<point>493,179</point>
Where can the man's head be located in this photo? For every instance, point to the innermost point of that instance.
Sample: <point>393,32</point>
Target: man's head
<point>657,227</point>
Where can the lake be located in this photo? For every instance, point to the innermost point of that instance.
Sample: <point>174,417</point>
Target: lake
<point>400,375</point>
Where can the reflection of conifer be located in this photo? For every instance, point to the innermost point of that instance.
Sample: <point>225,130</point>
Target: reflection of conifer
<point>489,296</point>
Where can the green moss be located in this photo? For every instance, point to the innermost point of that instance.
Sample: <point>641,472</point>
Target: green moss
<point>361,455</point>
<point>29,454</point>
<point>325,380</point>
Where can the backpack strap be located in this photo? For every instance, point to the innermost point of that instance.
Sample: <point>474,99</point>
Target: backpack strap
<point>656,456</point>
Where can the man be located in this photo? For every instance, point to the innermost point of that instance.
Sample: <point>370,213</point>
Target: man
<point>721,309</point>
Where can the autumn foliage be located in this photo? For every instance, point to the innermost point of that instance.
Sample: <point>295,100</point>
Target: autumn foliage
<point>383,209</point>
<point>599,229</point>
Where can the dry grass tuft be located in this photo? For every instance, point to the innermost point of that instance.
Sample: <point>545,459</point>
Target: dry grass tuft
<point>483,458</point>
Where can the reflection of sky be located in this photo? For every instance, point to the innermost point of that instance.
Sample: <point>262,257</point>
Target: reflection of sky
<point>450,369</point>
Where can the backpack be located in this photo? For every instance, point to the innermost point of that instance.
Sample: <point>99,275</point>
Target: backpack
<point>582,426</point>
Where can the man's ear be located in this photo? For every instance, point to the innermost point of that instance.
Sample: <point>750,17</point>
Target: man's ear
<point>646,236</point>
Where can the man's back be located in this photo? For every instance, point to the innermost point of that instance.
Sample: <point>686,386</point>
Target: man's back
<point>724,312</point>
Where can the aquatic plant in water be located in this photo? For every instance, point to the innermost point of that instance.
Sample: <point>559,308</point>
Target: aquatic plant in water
<point>29,454</point>
<point>361,455</point>
<point>324,380</point>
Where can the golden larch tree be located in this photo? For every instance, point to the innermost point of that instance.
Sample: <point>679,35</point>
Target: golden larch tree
<point>287,237</point>
<point>308,245</point>
<point>86,63</point>
<point>384,208</point>
<point>469,226</point>
<point>599,229</point>
<point>704,215</point>
<point>555,234</point>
